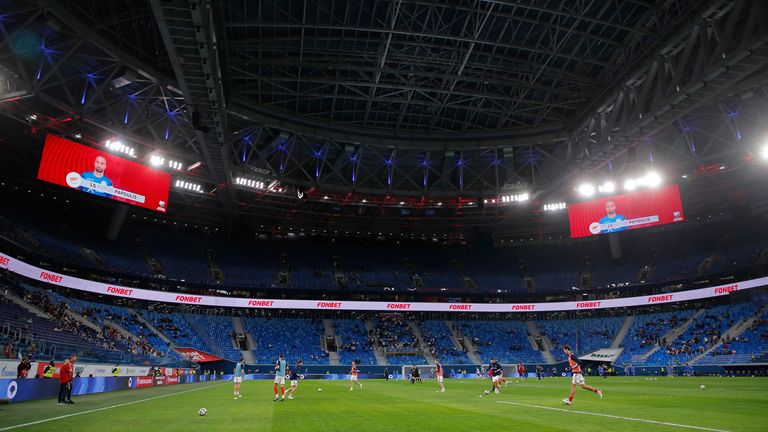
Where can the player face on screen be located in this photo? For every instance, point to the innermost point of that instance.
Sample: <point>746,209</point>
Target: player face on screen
<point>99,165</point>
<point>610,208</point>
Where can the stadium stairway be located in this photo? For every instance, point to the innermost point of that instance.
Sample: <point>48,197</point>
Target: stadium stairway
<point>333,356</point>
<point>420,339</point>
<point>34,310</point>
<point>622,333</point>
<point>237,325</point>
<point>204,335</point>
<point>120,329</point>
<point>670,336</point>
<point>735,331</point>
<point>152,328</point>
<point>381,358</point>
<point>455,339</point>
<point>84,321</point>
<point>534,332</point>
<point>469,347</point>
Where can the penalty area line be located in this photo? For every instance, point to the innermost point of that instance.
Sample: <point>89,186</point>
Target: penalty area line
<point>612,416</point>
<point>104,408</point>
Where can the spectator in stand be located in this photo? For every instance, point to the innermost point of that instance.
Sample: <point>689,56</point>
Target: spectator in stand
<point>65,382</point>
<point>22,370</point>
<point>8,350</point>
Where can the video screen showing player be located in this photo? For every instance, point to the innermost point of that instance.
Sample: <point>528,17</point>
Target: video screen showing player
<point>93,171</point>
<point>611,217</point>
<point>99,181</point>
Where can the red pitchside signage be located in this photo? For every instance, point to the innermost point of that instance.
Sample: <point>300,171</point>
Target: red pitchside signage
<point>626,211</point>
<point>196,356</point>
<point>36,273</point>
<point>143,382</point>
<point>98,172</point>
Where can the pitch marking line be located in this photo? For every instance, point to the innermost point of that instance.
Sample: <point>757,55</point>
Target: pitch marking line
<point>105,408</point>
<point>612,416</point>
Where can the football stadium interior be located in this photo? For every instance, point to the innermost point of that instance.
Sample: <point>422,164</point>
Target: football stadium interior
<point>456,214</point>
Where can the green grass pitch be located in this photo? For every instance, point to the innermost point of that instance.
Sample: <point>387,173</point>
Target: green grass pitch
<point>630,404</point>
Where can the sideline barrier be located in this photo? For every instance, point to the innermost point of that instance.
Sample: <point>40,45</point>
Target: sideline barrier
<point>37,273</point>
<point>8,369</point>
<point>41,388</point>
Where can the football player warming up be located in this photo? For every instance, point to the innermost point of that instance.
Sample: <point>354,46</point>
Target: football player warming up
<point>353,377</point>
<point>280,366</point>
<point>578,378</point>
<point>497,375</point>
<point>439,374</point>
<point>293,377</point>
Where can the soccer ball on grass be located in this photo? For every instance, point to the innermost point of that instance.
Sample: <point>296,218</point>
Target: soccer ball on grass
<point>486,392</point>
<point>702,386</point>
<point>319,389</point>
<point>202,412</point>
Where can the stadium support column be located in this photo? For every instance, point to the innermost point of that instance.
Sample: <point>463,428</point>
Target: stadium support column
<point>615,245</point>
<point>116,223</point>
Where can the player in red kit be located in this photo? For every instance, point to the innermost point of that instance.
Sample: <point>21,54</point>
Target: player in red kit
<point>439,374</point>
<point>578,378</point>
<point>65,381</point>
<point>353,377</point>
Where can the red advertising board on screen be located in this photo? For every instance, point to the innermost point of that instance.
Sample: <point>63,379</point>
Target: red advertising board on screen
<point>67,163</point>
<point>626,211</point>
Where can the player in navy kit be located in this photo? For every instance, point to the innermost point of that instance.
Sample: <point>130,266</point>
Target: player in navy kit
<point>497,375</point>
<point>293,376</point>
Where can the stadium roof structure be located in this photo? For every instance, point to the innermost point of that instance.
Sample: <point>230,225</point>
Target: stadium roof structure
<point>393,101</point>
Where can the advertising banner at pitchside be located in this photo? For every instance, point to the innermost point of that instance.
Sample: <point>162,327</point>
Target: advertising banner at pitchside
<point>69,164</point>
<point>196,356</point>
<point>39,274</point>
<point>626,211</point>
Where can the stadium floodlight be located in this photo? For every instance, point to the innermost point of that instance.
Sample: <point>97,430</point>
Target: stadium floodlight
<point>555,206</point>
<point>630,184</point>
<point>194,187</point>
<point>172,164</point>
<point>607,187</point>
<point>764,153</point>
<point>118,146</point>
<point>586,189</point>
<point>652,179</point>
<point>251,183</point>
<point>521,197</point>
<point>156,160</point>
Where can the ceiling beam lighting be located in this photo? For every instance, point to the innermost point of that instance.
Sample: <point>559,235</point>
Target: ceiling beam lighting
<point>521,197</point>
<point>586,189</point>
<point>118,147</point>
<point>555,206</point>
<point>194,187</point>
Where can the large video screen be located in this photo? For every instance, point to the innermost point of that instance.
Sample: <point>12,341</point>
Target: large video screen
<point>67,163</point>
<point>626,211</point>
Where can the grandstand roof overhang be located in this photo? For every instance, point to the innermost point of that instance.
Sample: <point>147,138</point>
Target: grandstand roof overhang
<point>409,98</point>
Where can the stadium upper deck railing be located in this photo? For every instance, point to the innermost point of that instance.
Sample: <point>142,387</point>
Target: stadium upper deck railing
<point>63,280</point>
